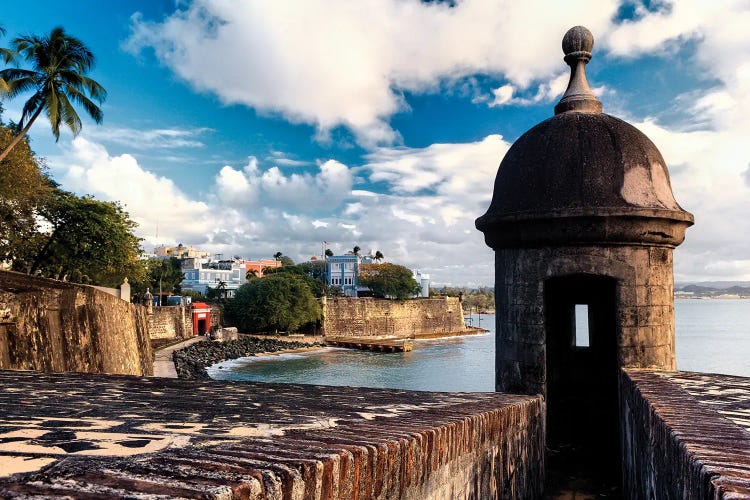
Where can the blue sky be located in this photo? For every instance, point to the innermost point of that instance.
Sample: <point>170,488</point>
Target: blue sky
<point>249,127</point>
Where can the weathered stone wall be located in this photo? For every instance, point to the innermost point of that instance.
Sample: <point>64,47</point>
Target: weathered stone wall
<point>53,326</point>
<point>215,318</point>
<point>645,316</point>
<point>685,435</point>
<point>369,317</point>
<point>264,441</point>
<point>170,322</point>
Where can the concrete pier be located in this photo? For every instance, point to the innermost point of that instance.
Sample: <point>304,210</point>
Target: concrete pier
<point>372,344</point>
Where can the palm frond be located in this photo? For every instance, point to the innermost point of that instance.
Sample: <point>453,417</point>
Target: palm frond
<point>80,98</point>
<point>32,105</point>
<point>8,55</point>
<point>23,85</point>
<point>95,90</point>
<point>16,73</point>
<point>19,80</point>
<point>52,105</point>
<point>69,115</point>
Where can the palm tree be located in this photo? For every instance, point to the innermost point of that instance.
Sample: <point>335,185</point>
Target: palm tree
<point>7,55</point>
<point>278,255</point>
<point>378,256</point>
<point>329,252</point>
<point>59,63</point>
<point>356,250</point>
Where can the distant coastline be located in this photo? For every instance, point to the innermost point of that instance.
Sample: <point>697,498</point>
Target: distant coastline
<point>711,297</point>
<point>713,290</point>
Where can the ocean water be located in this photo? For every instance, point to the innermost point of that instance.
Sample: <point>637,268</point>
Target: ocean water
<point>711,336</point>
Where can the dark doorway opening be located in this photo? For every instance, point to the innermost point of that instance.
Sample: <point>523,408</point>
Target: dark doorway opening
<point>583,427</point>
<point>202,327</point>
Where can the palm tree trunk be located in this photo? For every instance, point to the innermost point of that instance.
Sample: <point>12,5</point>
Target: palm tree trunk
<point>20,136</point>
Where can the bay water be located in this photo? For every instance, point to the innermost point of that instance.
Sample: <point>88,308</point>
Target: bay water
<point>712,336</point>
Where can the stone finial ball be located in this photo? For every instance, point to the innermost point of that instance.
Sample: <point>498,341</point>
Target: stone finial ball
<point>577,39</point>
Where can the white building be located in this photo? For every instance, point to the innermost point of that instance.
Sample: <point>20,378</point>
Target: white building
<point>424,282</point>
<point>200,274</point>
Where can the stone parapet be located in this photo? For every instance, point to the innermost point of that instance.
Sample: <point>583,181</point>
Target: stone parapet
<point>685,435</point>
<point>180,439</point>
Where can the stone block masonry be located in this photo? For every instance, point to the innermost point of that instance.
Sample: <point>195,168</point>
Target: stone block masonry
<point>369,317</point>
<point>685,435</point>
<point>54,326</point>
<point>644,324</point>
<point>170,322</point>
<point>149,437</point>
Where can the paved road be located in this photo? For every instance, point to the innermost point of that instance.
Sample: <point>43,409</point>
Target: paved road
<point>163,364</point>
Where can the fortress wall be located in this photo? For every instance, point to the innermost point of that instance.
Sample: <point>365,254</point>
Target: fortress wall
<point>289,441</point>
<point>170,322</point>
<point>53,326</point>
<point>370,317</point>
<point>685,435</point>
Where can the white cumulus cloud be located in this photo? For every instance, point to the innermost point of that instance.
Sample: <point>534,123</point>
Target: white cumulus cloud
<point>153,201</point>
<point>335,63</point>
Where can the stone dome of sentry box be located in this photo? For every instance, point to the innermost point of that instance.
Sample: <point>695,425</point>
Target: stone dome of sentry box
<point>583,224</point>
<point>582,176</point>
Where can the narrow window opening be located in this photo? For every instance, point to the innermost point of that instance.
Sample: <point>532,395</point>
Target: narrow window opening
<point>582,325</point>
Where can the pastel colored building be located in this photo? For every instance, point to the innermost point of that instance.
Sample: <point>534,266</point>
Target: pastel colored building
<point>200,274</point>
<point>260,265</point>
<point>180,251</point>
<point>343,271</point>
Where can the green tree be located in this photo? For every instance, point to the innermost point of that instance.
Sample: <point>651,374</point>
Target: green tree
<point>88,240</point>
<point>219,293</point>
<point>356,250</point>
<point>165,275</point>
<point>388,280</point>
<point>193,294</point>
<point>24,188</point>
<point>378,256</point>
<point>286,261</point>
<point>312,272</point>
<point>57,78</point>
<point>277,302</point>
<point>329,252</point>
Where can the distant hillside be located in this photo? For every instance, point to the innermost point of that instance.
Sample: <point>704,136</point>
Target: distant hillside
<point>716,288</point>
<point>716,285</point>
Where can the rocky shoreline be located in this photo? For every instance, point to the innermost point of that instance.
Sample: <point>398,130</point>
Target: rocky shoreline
<point>191,362</point>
